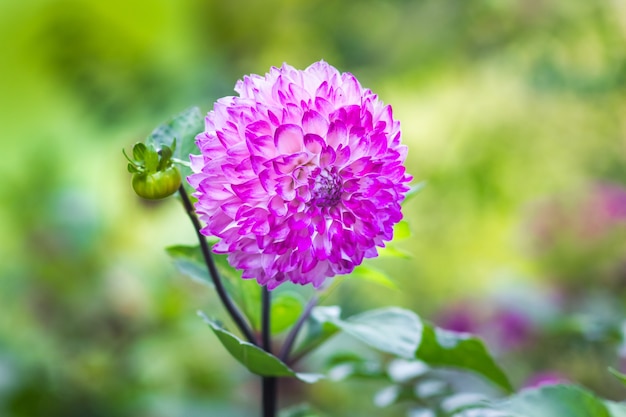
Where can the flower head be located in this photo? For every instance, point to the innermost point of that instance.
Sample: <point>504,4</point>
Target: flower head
<point>301,176</point>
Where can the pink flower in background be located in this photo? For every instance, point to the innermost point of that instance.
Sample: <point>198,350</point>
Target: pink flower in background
<point>591,215</point>
<point>460,317</point>
<point>504,328</point>
<point>545,378</point>
<point>301,175</point>
<point>513,329</point>
<point>603,210</point>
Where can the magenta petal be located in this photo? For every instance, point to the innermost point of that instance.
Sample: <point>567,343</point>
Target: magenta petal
<point>218,222</point>
<point>315,123</point>
<point>261,228</point>
<point>249,190</point>
<point>268,182</point>
<point>261,145</point>
<point>298,92</point>
<point>314,143</point>
<point>322,90</point>
<point>348,218</point>
<point>351,87</point>
<point>327,157</point>
<point>323,106</point>
<point>299,221</point>
<point>337,134</point>
<point>361,167</point>
<point>280,231</point>
<point>319,223</point>
<point>304,242</point>
<point>285,188</point>
<point>309,262</point>
<point>289,139</point>
<point>287,164</point>
<point>321,245</point>
<point>277,206</point>
<point>303,193</point>
<point>259,128</point>
<point>343,156</point>
<point>378,144</point>
<point>301,175</point>
<point>273,118</point>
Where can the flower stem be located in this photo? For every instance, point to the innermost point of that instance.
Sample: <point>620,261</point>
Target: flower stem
<point>232,309</point>
<point>268,383</point>
<point>291,337</point>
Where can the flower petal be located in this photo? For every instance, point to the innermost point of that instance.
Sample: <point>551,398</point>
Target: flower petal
<point>315,123</point>
<point>289,139</point>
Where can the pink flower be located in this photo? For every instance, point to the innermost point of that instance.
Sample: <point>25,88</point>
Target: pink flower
<point>301,176</point>
<point>545,378</point>
<point>461,317</point>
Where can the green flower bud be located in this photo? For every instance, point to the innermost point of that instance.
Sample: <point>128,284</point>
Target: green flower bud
<point>154,173</point>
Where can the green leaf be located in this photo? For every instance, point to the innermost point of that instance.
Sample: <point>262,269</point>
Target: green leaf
<point>370,274</point>
<point>617,374</point>
<point>460,350</point>
<point>255,359</point>
<point>287,307</point>
<point>183,127</point>
<point>301,410</point>
<point>392,330</point>
<point>402,333</point>
<point>189,261</point>
<point>246,293</point>
<point>391,251</point>
<point>401,230</point>
<point>350,365</point>
<point>559,401</point>
<point>343,357</point>
<point>615,409</point>
<point>319,329</point>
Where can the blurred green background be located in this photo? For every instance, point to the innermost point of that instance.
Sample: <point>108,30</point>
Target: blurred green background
<point>514,112</point>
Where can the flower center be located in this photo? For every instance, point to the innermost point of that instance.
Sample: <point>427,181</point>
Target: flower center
<point>327,188</point>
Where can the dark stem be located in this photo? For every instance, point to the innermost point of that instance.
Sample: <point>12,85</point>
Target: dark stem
<point>269,383</point>
<point>210,263</point>
<point>266,305</point>
<point>291,337</point>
